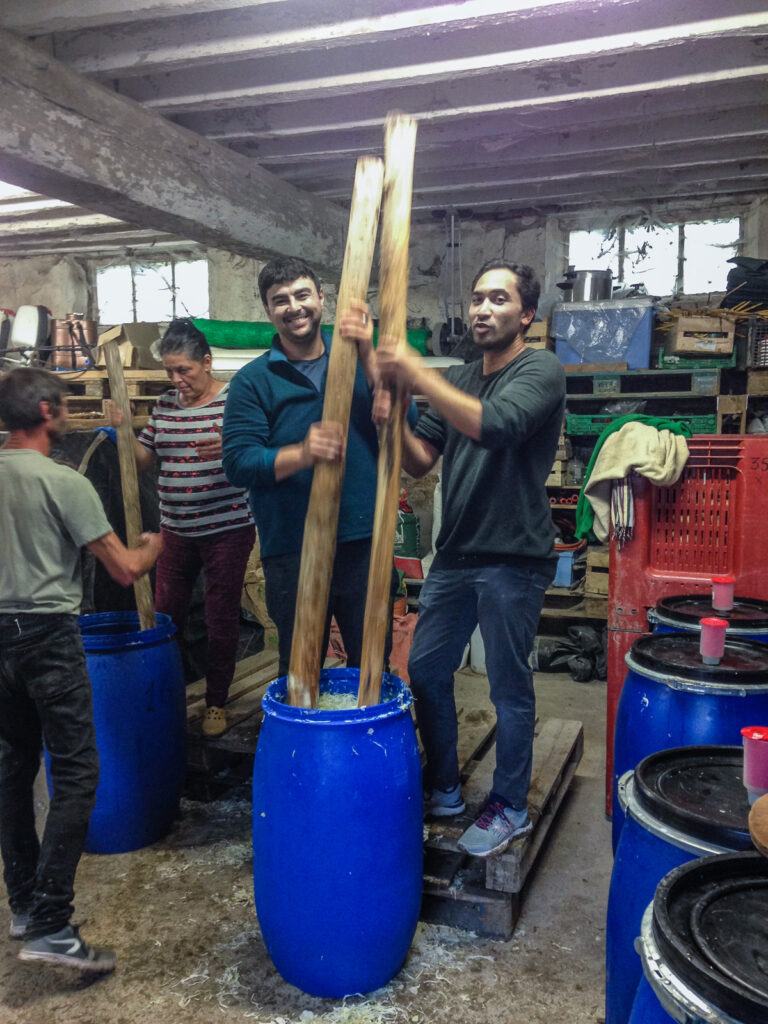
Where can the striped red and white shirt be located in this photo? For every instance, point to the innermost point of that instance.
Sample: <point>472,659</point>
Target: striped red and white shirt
<point>195,497</point>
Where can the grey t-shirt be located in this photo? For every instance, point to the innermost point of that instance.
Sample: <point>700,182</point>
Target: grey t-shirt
<point>47,513</point>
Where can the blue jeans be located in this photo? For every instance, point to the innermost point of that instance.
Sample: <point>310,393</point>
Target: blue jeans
<point>346,600</point>
<point>45,693</point>
<point>506,601</point>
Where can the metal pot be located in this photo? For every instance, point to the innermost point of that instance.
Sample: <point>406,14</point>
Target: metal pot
<point>586,285</point>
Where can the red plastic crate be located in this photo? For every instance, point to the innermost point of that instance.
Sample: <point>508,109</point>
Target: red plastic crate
<point>711,522</point>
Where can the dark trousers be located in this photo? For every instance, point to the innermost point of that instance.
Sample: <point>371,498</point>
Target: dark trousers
<point>45,694</point>
<point>346,602</point>
<point>224,557</point>
<point>506,600</point>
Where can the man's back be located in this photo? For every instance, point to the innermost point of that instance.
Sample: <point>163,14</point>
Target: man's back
<point>47,513</point>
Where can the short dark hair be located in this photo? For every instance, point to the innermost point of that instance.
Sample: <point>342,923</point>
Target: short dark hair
<point>183,336</point>
<point>283,270</point>
<point>527,282</point>
<point>21,392</point>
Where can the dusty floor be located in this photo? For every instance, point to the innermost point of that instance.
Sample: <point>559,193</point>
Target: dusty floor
<point>180,916</point>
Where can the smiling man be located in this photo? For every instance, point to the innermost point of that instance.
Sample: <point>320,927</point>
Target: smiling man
<point>496,422</point>
<point>273,437</point>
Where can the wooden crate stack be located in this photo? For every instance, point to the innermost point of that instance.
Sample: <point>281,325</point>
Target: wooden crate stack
<point>89,391</point>
<point>596,583</point>
<point>537,337</point>
<point>559,471</point>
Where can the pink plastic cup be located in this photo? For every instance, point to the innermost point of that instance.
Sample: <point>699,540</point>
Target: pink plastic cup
<point>712,642</point>
<point>722,593</point>
<point>755,739</point>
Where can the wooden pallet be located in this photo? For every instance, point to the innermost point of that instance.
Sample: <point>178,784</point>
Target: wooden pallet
<point>485,895</point>
<point>220,763</point>
<point>95,383</point>
<point>641,383</point>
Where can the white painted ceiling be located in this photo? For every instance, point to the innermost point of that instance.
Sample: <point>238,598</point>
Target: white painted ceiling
<point>524,107</point>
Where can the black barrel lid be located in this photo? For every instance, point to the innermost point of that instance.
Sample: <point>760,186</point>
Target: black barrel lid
<point>689,609</point>
<point>698,790</point>
<point>744,662</point>
<point>710,921</point>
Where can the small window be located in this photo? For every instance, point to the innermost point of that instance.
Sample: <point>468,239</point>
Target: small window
<point>668,259</point>
<point>154,292</point>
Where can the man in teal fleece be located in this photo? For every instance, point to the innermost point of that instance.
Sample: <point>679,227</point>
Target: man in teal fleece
<point>272,438</point>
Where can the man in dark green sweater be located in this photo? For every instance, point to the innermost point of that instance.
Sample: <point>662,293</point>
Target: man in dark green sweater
<point>496,422</point>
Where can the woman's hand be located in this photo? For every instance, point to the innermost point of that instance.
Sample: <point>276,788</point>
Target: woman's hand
<point>209,448</point>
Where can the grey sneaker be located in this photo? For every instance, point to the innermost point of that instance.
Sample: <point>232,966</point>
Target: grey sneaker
<point>67,949</point>
<point>495,829</point>
<point>443,803</point>
<point>19,924</point>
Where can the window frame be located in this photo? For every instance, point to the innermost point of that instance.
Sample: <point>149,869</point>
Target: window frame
<point>135,264</point>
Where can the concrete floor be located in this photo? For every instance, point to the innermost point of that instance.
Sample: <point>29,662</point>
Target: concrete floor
<point>180,916</point>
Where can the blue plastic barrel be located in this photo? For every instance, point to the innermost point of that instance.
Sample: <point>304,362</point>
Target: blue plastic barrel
<point>338,837</point>
<point>139,709</point>
<point>704,945</point>
<point>679,804</point>
<point>683,613</point>
<point>670,698</point>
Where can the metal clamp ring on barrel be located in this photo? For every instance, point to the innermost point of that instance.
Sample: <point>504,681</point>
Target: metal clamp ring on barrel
<point>694,685</point>
<point>696,847</point>
<point>669,989</point>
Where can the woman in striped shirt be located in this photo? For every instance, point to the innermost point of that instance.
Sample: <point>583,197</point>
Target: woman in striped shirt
<point>205,521</point>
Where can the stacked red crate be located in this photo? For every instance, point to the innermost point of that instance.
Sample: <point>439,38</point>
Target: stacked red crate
<point>711,522</point>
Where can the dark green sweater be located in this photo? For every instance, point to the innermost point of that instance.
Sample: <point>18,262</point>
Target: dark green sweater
<point>495,503</point>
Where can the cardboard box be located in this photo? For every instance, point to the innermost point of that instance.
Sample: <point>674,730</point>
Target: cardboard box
<point>135,342</point>
<point>711,335</point>
<point>556,476</point>
<point>537,330</point>
<point>537,337</point>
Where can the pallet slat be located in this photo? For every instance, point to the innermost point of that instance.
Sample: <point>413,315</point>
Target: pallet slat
<point>485,895</point>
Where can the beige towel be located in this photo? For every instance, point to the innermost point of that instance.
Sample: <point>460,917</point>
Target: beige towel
<point>658,455</point>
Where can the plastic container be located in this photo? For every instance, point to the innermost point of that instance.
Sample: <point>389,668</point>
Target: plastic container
<point>617,330</point>
<point>712,639</point>
<point>338,837</point>
<point>704,944</point>
<point>140,714</point>
<point>722,593</point>
<point>671,698</point>
<point>755,738</point>
<point>677,805</point>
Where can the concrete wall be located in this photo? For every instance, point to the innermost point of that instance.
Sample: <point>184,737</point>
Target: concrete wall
<point>60,283</point>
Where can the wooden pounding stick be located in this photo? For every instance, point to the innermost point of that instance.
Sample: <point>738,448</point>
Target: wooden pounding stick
<point>319,543</point>
<point>399,148</point>
<point>142,588</point>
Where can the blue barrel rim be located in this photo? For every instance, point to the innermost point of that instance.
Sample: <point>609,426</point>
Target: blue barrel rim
<point>647,795</point>
<point>99,640</point>
<point>646,658</point>
<point>687,961</point>
<point>738,618</point>
<point>390,708</point>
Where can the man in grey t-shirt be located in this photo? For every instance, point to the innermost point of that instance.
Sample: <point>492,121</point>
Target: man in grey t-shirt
<point>47,513</point>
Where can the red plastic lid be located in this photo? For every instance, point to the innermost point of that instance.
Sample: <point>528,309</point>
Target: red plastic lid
<point>717,623</point>
<point>755,732</point>
<point>723,579</point>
